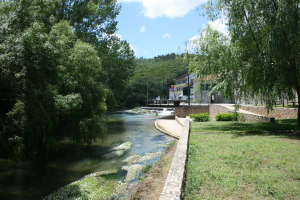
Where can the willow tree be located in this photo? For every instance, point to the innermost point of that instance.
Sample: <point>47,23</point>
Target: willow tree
<point>47,72</point>
<point>262,55</point>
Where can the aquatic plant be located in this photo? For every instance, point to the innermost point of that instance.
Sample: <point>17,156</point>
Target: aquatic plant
<point>113,171</point>
<point>91,186</point>
<point>150,156</point>
<point>118,150</point>
<point>113,154</point>
<point>132,171</point>
<point>125,146</point>
<point>132,159</point>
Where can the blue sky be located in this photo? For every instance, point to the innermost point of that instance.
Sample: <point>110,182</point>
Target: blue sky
<point>158,27</point>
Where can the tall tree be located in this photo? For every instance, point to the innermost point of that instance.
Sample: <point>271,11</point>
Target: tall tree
<point>263,53</point>
<point>118,66</point>
<point>92,20</point>
<point>46,72</point>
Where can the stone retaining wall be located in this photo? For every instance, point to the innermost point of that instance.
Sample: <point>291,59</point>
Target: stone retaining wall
<point>187,110</point>
<point>215,109</point>
<point>174,182</point>
<point>246,117</point>
<point>278,113</point>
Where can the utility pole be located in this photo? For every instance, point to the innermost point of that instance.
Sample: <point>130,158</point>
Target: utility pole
<point>167,90</point>
<point>187,54</point>
<point>188,87</point>
<point>163,87</point>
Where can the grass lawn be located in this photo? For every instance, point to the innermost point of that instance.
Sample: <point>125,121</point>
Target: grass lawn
<point>243,164</point>
<point>248,127</point>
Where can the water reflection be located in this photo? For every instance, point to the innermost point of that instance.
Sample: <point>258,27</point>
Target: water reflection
<point>34,179</point>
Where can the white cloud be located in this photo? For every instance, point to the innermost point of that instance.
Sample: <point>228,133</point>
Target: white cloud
<point>194,37</point>
<point>168,8</point>
<point>132,48</point>
<point>118,35</point>
<point>143,29</point>
<point>219,25</point>
<point>166,35</point>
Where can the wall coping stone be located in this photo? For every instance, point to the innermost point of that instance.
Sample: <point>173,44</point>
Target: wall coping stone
<point>178,121</point>
<point>174,182</point>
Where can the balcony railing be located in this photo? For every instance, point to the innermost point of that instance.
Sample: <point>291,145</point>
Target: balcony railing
<point>181,85</point>
<point>168,102</point>
<point>177,92</point>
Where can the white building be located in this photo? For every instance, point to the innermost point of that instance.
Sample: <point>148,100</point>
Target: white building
<point>204,97</point>
<point>177,91</point>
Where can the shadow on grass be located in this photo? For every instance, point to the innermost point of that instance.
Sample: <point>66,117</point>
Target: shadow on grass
<point>281,127</point>
<point>283,134</point>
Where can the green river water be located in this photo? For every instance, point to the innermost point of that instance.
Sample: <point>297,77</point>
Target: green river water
<point>36,179</point>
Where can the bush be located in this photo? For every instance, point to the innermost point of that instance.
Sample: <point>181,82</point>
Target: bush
<point>201,117</point>
<point>228,116</point>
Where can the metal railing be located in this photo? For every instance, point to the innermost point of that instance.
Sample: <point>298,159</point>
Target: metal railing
<point>169,102</point>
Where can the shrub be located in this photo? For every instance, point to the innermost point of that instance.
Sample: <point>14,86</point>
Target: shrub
<point>228,116</point>
<point>201,117</point>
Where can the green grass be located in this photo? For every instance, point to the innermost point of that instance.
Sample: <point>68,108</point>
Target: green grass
<point>238,165</point>
<point>278,125</point>
<point>148,168</point>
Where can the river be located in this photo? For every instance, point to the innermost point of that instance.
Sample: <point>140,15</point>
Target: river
<point>37,179</point>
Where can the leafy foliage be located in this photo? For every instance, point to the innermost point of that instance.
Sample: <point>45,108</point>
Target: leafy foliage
<point>260,58</point>
<point>201,117</point>
<point>165,66</point>
<point>228,116</point>
<point>53,57</point>
<point>159,73</point>
<point>136,90</point>
<point>118,66</point>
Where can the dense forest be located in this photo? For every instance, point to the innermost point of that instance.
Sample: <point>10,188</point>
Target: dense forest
<point>158,73</point>
<point>60,65</point>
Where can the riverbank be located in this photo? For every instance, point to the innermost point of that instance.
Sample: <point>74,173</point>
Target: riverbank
<point>38,179</point>
<point>153,183</point>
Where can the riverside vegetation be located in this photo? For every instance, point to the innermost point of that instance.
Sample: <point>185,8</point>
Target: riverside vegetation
<point>61,66</point>
<point>243,160</point>
<point>259,58</point>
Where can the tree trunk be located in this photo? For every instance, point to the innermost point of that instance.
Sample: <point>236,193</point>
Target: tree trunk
<point>297,86</point>
<point>298,113</point>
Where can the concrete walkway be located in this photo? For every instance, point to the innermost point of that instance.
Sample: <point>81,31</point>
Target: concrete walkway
<point>170,126</point>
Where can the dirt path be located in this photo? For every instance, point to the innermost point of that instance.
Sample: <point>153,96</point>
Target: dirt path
<point>153,184</point>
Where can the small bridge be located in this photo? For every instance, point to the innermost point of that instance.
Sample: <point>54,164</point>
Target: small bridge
<point>167,103</point>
